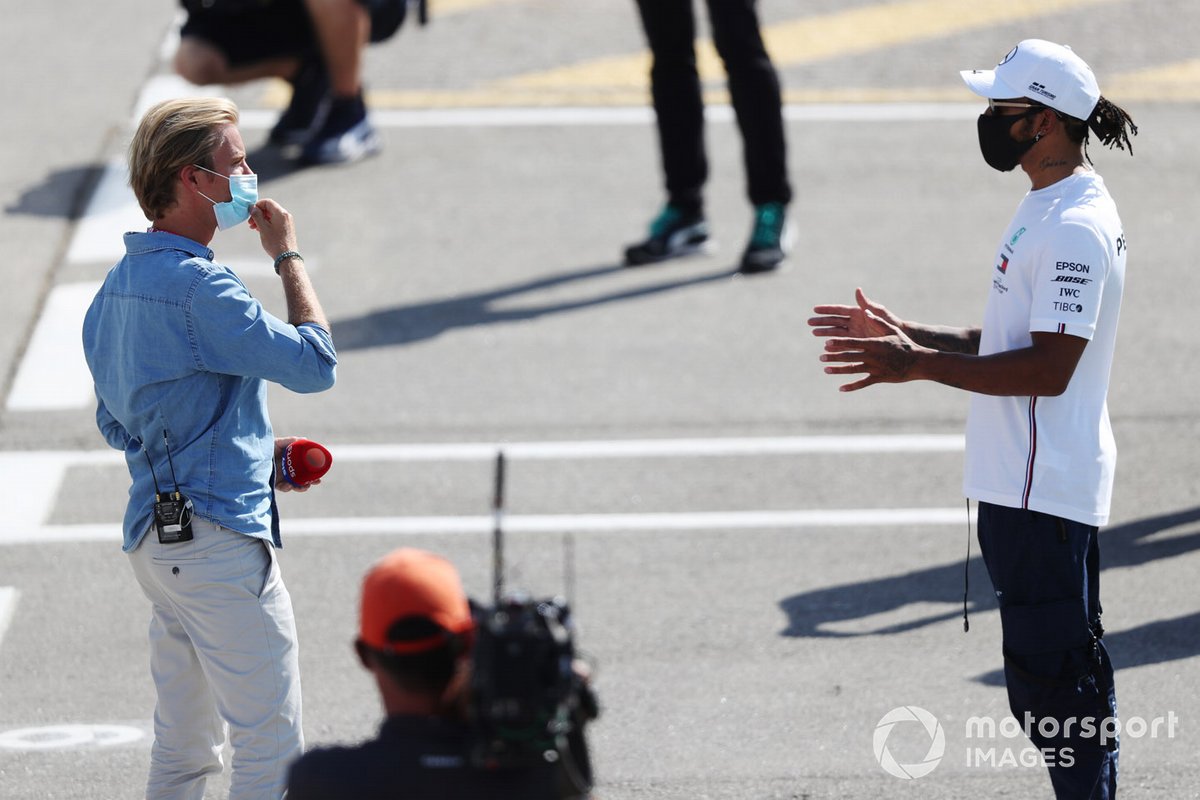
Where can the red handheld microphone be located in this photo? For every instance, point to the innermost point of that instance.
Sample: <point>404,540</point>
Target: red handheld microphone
<point>304,461</point>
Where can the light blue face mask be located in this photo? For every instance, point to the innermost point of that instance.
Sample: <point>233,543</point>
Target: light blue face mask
<point>243,191</point>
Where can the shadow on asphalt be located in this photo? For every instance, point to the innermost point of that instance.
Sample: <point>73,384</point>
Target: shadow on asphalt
<point>820,613</point>
<point>65,192</point>
<point>420,321</point>
<point>62,193</point>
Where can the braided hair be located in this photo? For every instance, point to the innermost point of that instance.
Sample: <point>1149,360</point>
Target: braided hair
<point>1109,123</point>
<point>1112,125</point>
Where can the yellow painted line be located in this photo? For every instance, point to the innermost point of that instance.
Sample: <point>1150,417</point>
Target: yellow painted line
<point>1172,82</point>
<point>489,98</point>
<point>276,93</point>
<point>446,7</point>
<point>624,80</point>
<point>818,38</point>
<point>868,94</point>
<point>389,99</point>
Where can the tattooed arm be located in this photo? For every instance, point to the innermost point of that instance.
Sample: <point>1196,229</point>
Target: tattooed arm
<point>867,319</point>
<point>869,340</point>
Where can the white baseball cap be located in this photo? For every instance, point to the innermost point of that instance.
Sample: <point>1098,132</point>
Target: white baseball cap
<point>1043,71</point>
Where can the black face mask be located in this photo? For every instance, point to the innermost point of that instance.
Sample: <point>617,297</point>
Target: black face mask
<point>999,149</point>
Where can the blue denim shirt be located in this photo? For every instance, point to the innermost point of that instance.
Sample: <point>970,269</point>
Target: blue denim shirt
<point>176,343</point>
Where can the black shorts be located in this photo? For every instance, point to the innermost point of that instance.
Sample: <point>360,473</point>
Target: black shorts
<point>246,31</point>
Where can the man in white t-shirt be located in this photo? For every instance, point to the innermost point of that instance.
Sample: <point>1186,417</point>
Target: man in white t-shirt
<point>1040,452</point>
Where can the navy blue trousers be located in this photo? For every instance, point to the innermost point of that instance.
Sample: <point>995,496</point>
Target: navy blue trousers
<point>1046,573</point>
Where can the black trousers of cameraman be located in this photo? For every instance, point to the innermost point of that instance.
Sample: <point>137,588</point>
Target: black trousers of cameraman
<point>753,87</point>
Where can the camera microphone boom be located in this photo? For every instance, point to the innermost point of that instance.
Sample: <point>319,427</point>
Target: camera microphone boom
<point>498,532</point>
<point>529,704</point>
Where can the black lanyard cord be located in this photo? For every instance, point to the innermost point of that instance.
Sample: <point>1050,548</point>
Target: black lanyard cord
<point>967,571</point>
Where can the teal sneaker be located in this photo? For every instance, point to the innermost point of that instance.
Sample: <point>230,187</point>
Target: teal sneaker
<point>673,233</point>
<point>770,240</point>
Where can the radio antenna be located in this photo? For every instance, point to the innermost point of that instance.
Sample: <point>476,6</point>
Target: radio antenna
<point>569,567</point>
<point>498,531</point>
<point>171,463</point>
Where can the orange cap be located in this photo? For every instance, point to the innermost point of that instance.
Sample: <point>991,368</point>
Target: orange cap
<point>412,586</point>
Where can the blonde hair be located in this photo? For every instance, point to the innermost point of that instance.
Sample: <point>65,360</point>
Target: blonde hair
<point>172,135</point>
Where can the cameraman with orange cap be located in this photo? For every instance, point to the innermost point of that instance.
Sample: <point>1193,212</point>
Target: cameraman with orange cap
<point>416,638</point>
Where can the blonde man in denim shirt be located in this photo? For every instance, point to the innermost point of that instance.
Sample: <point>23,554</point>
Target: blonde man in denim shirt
<point>181,355</point>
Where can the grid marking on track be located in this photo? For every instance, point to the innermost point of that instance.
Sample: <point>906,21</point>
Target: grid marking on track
<point>37,476</point>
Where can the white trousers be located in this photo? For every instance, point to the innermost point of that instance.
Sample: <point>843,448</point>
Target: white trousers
<point>222,650</point>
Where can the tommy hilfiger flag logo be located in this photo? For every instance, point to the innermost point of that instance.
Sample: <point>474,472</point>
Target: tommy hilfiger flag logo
<point>1003,265</point>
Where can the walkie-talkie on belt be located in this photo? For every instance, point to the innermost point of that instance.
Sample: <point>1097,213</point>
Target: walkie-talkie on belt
<point>173,511</point>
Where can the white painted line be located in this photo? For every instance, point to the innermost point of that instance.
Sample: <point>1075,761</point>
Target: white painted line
<point>543,523</point>
<point>596,449</point>
<point>876,112</point>
<point>33,479</point>
<point>651,448</point>
<point>262,119</point>
<point>20,459</point>
<point>61,534</point>
<point>654,522</point>
<point>111,211</point>
<point>168,86</point>
<point>8,604</point>
<point>53,373</point>
<point>69,737</point>
<point>31,482</point>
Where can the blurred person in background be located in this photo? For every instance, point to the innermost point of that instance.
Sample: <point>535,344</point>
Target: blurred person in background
<point>316,45</point>
<point>681,227</point>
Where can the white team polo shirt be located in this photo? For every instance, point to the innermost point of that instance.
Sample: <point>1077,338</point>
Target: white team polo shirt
<point>1060,268</point>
